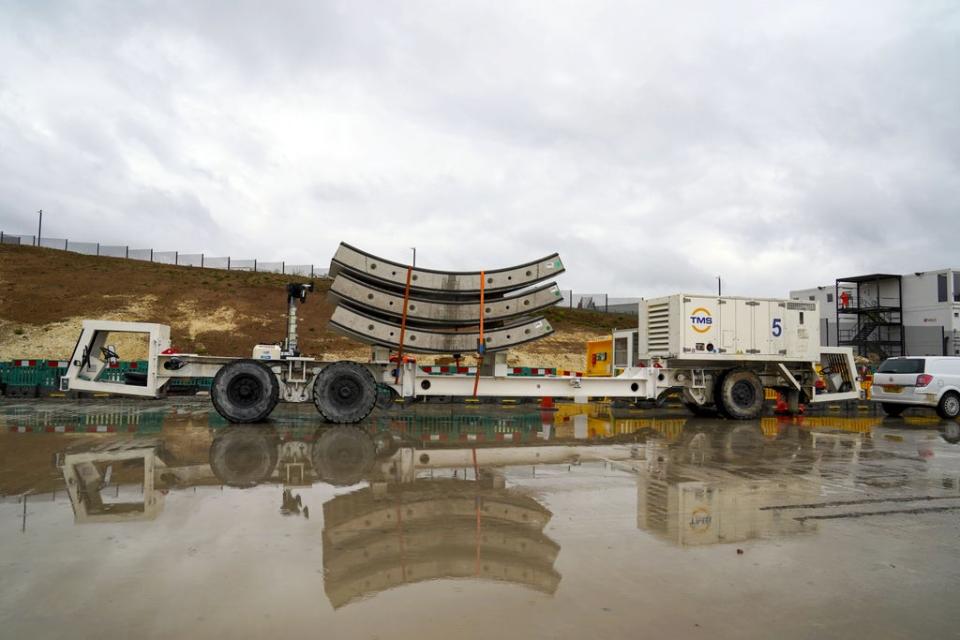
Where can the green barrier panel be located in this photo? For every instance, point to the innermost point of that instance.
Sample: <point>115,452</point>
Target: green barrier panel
<point>456,427</point>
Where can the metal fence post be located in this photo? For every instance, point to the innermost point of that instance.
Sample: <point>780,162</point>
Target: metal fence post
<point>176,257</point>
<point>283,268</point>
<point>126,252</point>
<point>151,255</point>
<point>66,244</point>
<point>228,263</point>
<point>201,261</point>
<point>1,237</point>
<point>254,265</point>
<point>311,271</point>
<point>98,248</point>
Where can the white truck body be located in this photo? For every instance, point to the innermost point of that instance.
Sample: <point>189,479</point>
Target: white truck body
<point>692,327</point>
<point>718,351</point>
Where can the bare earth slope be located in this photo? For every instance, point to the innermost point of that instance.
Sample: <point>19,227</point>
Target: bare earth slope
<point>45,293</point>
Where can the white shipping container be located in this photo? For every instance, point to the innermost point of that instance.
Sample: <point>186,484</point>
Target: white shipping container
<point>684,326</point>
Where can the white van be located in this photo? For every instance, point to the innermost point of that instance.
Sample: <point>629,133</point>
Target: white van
<point>919,381</point>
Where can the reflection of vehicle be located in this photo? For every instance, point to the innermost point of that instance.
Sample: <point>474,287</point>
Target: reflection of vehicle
<point>925,381</point>
<point>721,483</point>
<point>951,432</point>
<point>86,475</point>
<point>400,529</point>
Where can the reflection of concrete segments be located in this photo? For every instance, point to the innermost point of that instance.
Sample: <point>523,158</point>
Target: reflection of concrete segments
<point>449,313</point>
<point>428,537</point>
<point>462,562</point>
<point>383,515</point>
<point>359,512</point>
<point>434,529</point>
<point>450,283</point>
<point>373,331</point>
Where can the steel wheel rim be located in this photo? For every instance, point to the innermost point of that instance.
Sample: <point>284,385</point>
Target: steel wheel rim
<point>952,405</point>
<point>345,391</point>
<point>743,394</point>
<point>244,390</point>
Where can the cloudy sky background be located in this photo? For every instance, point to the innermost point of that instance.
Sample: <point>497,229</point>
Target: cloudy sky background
<point>654,145</point>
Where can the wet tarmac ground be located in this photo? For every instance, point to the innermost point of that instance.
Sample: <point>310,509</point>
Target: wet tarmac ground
<point>157,519</point>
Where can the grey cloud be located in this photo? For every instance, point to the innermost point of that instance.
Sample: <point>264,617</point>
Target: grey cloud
<point>778,145</point>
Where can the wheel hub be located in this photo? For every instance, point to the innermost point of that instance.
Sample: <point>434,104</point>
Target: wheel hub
<point>346,391</point>
<point>952,406</point>
<point>743,394</point>
<point>244,390</point>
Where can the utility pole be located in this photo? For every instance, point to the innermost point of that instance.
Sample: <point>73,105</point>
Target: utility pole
<point>414,249</point>
<point>39,226</point>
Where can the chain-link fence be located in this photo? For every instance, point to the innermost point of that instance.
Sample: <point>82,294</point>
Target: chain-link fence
<point>590,301</point>
<point>199,260</point>
<point>599,302</point>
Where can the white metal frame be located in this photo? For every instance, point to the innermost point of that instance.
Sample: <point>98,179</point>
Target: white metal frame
<point>296,373</point>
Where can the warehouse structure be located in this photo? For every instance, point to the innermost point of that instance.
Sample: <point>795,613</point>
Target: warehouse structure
<point>882,315</point>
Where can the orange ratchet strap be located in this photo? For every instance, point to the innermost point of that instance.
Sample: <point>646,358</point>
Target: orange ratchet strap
<point>481,346</point>
<point>403,324</point>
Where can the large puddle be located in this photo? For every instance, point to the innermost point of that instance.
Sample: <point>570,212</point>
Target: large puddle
<point>158,519</point>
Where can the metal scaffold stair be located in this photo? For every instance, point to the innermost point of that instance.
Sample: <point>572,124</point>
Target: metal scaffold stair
<point>420,310</point>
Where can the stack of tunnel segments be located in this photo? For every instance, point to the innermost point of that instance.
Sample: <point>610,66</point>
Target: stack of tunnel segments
<point>443,309</point>
<point>443,284</point>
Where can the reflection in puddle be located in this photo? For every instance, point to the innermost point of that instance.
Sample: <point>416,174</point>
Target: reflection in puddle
<point>385,536</point>
<point>425,495</point>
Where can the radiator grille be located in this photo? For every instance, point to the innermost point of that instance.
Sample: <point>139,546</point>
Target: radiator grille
<point>658,327</point>
<point>657,508</point>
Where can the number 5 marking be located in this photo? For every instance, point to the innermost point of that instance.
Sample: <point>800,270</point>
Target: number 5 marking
<point>777,328</point>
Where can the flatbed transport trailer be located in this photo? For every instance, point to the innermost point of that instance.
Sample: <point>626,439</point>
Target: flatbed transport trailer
<point>719,352</point>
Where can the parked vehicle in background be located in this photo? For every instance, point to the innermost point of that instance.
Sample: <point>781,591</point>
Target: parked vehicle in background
<point>927,381</point>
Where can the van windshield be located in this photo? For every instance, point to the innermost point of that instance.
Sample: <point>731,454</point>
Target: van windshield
<point>902,365</point>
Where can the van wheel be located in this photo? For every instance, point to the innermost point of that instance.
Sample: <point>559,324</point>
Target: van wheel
<point>245,391</point>
<point>741,394</point>
<point>949,406</point>
<point>892,409</point>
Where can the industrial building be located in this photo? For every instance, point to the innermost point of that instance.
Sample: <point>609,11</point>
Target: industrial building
<point>882,315</point>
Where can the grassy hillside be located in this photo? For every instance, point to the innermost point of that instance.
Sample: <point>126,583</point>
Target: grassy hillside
<point>45,293</point>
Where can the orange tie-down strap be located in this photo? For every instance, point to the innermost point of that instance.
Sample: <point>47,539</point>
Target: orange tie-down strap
<point>403,324</point>
<point>481,346</point>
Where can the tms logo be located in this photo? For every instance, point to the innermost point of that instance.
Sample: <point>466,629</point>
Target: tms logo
<point>701,320</point>
<point>700,519</point>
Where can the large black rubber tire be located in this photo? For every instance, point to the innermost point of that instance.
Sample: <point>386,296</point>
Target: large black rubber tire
<point>344,392</point>
<point>343,456</point>
<point>243,456</point>
<point>717,397</point>
<point>949,406</point>
<point>245,391</point>
<point>741,394</point>
<point>892,409</point>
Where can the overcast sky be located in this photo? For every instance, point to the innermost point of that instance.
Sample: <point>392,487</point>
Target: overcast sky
<point>654,145</point>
